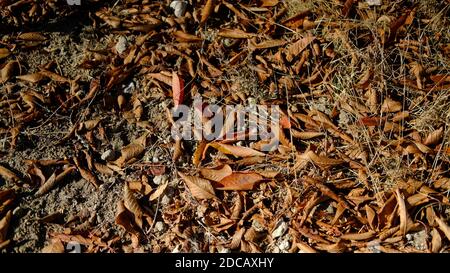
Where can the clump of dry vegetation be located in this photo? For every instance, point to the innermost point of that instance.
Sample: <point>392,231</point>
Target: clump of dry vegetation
<point>86,153</point>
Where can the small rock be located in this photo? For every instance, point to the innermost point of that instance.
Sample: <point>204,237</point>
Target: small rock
<point>165,200</point>
<point>160,226</point>
<point>373,2</point>
<point>280,229</point>
<point>108,155</point>
<point>121,45</point>
<point>159,179</point>
<point>179,8</point>
<point>284,245</point>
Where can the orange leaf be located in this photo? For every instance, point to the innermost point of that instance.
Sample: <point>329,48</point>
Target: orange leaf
<point>177,89</point>
<point>239,181</point>
<point>235,150</point>
<point>200,188</point>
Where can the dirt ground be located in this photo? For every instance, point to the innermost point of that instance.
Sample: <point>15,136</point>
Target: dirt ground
<point>363,164</point>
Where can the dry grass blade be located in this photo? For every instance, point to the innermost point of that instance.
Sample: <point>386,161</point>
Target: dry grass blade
<point>200,188</point>
<point>206,11</point>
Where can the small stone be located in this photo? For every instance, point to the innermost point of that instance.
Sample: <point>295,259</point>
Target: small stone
<point>284,245</point>
<point>179,8</point>
<point>121,45</point>
<point>108,155</point>
<point>160,226</point>
<point>280,229</point>
<point>165,200</point>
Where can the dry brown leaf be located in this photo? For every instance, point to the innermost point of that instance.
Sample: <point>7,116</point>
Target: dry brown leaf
<point>55,246</point>
<point>124,218</point>
<point>186,37</point>
<point>296,48</point>
<point>206,11</point>
<point>8,175</point>
<point>358,236</point>
<point>305,248</point>
<point>403,213</point>
<point>4,224</point>
<point>8,71</point>
<point>436,241</point>
<point>443,227</point>
<point>131,151</point>
<point>268,44</point>
<point>132,205</point>
<point>305,135</point>
<point>200,188</point>
<point>33,78</point>
<point>235,34</point>
<point>390,106</point>
<point>178,151</point>
<point>159,191</point>
<point>216,174</point>
<point>177,89</point>
<point>89,176</point>
<point>4,52</point>
<point>237,238</point>
<point>31,36</point>
<point>238,151</point>
<point>239,181</point>
<point>434,137</point>
<point>53,180</point>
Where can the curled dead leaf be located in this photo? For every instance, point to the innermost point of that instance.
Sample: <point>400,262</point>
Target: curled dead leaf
<point>238,151</point>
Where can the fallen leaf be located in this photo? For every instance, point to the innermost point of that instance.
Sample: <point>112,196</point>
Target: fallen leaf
<point>390,105</point>
<point>296,48</point>
<point>239,181</point>
<point>436,241</point>
<point>177,89</point>
<point>55,246</point>
<point>4,52</point>
<point>235,34</point>
<point>8,175</point>
<point>238,151</point>
<point>216,174</point>
<point>443,227</point>
<point>434,137</point>
<point>31,36</point>
<point>200,188</point>
<point>206,11</point>
<point>125,219</point>
<point>132,205</point>
<point>4,224</point>
<point>159,191</point>
<point>33,78</point>
<point>53,180</point>
<point>403,213</point>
